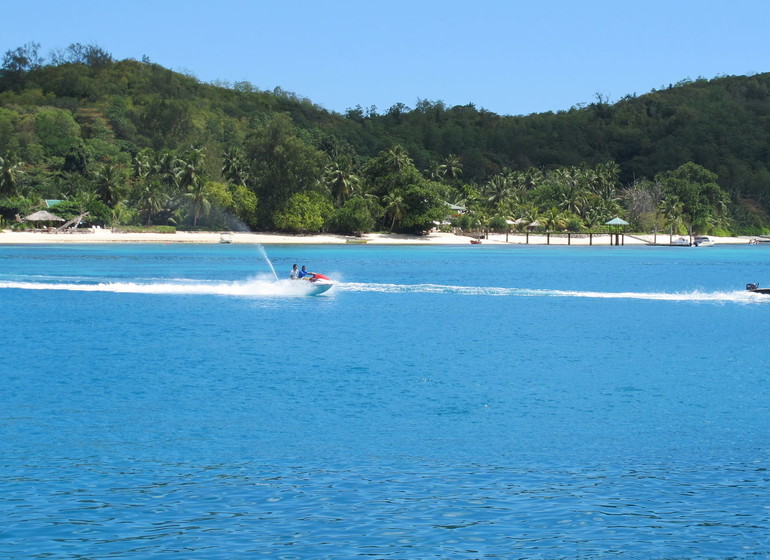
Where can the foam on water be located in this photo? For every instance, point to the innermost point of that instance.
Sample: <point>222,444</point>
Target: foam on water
<point>247,288</point>
<point>265,287</point>
<point>739,296</point>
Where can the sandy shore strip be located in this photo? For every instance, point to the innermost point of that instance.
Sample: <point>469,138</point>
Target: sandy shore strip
<point>435,238</point>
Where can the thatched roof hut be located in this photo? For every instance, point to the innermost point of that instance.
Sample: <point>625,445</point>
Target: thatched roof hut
<point>43,216</point>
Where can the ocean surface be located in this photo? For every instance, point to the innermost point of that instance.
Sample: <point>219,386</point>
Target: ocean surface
<point>177,402</point>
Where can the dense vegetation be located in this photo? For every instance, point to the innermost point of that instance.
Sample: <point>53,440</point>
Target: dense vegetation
<point>134,143</point>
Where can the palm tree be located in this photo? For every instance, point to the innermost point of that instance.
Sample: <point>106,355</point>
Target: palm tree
<point>108,183</point>
<point>553,219</point>
<point>531,178</point>
<point>606,178</point>
<point>140,166</point>
<point>9,172</point>
<point>151,200</point>
<point>673,210</point>
<point>233,168</point>
<point>398,158</point>
<point>165,168</point>
<point>188,169</point>
<point>451,169</point>
<point>341,184</point>
<point>197,196</point>
<point>394,207</point>
<point>497,190</point>
<point>573,198</point>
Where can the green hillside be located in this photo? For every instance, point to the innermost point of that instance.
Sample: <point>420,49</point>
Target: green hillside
<point>134,143</point>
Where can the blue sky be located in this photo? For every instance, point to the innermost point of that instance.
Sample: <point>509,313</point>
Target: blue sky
<point>509,57</point>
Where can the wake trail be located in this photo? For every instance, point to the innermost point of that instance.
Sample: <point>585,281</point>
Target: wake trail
<point>246,288</point>
<point>262,287</point>
<point>739,296</point>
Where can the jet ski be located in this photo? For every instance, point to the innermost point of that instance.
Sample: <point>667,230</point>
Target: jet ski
<point>754,288</point>
<point>318,283</point>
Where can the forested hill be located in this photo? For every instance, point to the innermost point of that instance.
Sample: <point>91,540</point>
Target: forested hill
<point>721,124</point>
<point>66,122</point>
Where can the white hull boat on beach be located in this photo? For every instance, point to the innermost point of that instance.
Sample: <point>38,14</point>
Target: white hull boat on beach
<point>703,241</point>
<point>681,242</point>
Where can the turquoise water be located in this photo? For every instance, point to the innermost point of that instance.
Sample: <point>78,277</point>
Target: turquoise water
<point>173,401</point>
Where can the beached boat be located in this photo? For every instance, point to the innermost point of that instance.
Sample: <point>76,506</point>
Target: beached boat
<point>754,288</point>
<point>681,242</point>
<point>476,241</point>
<point>703,241</point>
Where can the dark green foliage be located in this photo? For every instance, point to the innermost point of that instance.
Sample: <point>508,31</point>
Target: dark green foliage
<point>359,214</point>
<point>72,128</point>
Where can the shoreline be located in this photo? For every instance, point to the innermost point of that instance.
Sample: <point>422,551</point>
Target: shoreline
<point>8,237</point>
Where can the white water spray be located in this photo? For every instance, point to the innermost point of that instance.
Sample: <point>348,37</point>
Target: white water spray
<point>270,264</point>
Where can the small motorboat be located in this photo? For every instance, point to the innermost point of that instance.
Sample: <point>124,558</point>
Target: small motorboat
<point>476,241</point>
<point>703,241</point>
<point>318,283</point>
<point>681,242</point>
<point>754,288</point>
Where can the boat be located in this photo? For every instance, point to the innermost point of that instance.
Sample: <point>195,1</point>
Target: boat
<point>703,241</point>
<point>476,241</point>
<point>754,288</point>
<point>318,283</point>
<point>681,242</point>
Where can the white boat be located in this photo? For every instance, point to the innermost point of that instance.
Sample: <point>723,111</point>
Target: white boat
<point>318,284</point>
<point>681,242</point>
<point>703,241</point>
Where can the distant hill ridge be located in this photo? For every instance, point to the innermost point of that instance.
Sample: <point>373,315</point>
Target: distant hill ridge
<point>92,108</point>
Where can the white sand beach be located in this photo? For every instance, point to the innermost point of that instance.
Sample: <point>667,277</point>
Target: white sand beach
<point>434,238</point>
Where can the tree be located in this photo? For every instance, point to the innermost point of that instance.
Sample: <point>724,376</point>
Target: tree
<point>497,190</point>
<point>359,214</point>
<point>58,132</point>
<point>395,208</point>
<point>282,164</point>
<point>553,219</point>
<point>109,180</point>
<point>702,200</point>
<point>245,203</point>
<point>424,205</point>
<point>233,168</point>
<point>341,184</point>
<point>19,61</point>
<point>150,200</point>
<point>188,172</point>
<point>9,172</point>
<point>451,169</point>
<point>198,198</point>
<point>398,158</point>
<point>304,212</point>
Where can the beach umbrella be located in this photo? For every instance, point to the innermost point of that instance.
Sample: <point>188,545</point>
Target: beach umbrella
<point>43,216</point>
<point>535,224</point>
<point>616,222</point>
